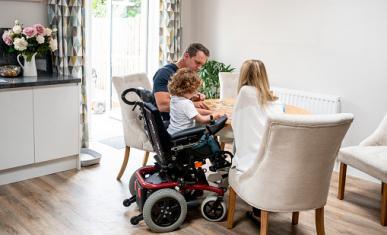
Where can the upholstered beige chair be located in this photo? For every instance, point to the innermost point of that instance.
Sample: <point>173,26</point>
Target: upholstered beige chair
<point>370,157</point>
<point>292,168</point>
<point>134,133</point>
<point>228,85</point>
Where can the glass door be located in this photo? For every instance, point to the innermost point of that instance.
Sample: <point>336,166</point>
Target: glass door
<point>118,46</point>
<point>128,42</point>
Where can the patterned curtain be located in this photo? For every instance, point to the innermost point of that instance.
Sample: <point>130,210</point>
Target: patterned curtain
<point>68,16</point>
<point>170,31</point>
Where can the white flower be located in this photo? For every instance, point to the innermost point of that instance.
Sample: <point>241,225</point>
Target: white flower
<point>53,44</point>
<point>20,44</point>
<point>40,39</point>
<point>16,22</point>
<point>48,32</point>
<point>17,29</point>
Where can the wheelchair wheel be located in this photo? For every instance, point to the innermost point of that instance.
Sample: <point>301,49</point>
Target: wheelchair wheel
<point>132,181</point>
<point>164,210</point>
<point>209,212</point>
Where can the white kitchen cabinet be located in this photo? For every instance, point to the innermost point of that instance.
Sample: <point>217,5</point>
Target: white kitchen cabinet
<point>39,127</point>
<point>16,128</point>
<point>56,121</point>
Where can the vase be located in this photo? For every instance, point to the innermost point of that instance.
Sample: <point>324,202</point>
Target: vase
<point>29,67</point>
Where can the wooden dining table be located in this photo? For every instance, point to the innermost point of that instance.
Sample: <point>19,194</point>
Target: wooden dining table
<point>226,106</point>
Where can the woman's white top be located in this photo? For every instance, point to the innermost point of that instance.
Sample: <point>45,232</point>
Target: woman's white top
<point>248,124</point>
<point>182,113</point>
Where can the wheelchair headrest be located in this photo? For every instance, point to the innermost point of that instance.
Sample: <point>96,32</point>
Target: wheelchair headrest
<point>145,95</point>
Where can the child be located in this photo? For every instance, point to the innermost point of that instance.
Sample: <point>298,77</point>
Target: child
<point>254,102</point>
<point>182,87</point>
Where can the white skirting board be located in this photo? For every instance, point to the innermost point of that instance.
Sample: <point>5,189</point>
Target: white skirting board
<point>39,169</point>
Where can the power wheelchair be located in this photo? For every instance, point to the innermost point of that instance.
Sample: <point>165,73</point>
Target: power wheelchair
<point>162,191</point>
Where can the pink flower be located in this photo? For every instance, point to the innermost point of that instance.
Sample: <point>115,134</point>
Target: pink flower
<point>40,29</point>
<point>7,38</point>
<point>29,32</point>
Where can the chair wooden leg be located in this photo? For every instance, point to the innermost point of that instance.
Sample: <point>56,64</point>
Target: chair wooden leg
<point>146,156</point>
<point>295,216</point>
<point>383,216</point>
<point>382,190</point>
<point>222,145</point>
<point>231,207</point>
<point>264,222</point>
<point>124,163</point>
<point>319,215</point>
<point>342,176</point>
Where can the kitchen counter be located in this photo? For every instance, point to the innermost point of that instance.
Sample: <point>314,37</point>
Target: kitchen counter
<point>40,80</point>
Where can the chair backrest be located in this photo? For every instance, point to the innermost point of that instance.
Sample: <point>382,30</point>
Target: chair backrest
<point>158,134</point>
<point>228,83</point>
<point>379,136</point>
<point>134,133</point>
<point>294,163</point>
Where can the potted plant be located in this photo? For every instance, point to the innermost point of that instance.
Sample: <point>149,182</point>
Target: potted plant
<point>209,73</point>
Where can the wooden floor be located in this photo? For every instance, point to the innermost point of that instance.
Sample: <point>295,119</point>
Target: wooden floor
<point>90,202</point>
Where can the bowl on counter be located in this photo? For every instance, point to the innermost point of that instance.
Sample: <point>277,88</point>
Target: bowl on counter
<point>10,70</point>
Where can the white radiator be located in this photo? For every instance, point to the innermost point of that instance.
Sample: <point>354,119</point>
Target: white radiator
<point>313,102</point>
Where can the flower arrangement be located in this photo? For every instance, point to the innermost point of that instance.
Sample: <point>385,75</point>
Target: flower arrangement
<point>30,40</point>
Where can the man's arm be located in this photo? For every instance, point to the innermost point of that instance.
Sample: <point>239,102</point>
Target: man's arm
<point>162,101</point>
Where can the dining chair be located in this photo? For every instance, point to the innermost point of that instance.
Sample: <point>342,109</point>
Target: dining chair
<point>292,168</point>
<point>228,85</point>
<point>133,127</point>
<point>370,156</point>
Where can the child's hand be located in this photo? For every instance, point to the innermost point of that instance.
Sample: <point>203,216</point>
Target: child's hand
<point>217,115</point>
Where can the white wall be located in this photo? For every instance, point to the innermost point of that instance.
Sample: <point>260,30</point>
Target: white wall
<point>332,47</point>
<point>27,13</point>
<point>186,23</point>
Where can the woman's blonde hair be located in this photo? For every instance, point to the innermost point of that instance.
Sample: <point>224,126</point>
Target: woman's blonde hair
<point>253,73</point>
<point>184,81</point>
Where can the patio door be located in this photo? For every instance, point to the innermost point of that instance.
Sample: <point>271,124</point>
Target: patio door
<point>118,40</point>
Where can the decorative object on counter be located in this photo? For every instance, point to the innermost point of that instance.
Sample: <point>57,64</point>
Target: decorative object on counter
<point>28,42</point>
<point>10,70</point>
<point>209,73</point>
<point>29,67</point>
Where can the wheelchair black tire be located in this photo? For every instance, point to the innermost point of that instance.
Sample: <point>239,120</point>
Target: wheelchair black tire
<point>174,217</point>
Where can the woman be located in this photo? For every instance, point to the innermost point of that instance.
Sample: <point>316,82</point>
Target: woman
<point>254,102</point>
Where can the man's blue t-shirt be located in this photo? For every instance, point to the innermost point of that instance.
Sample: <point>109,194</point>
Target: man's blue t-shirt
<point>160,82</point>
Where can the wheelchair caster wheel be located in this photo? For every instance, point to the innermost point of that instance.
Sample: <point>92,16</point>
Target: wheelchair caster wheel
<point>136,219</point>
<point>213,209</point>
<point>126,202</point>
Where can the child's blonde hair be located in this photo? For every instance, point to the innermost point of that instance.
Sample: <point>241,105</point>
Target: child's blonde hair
<point>184,81</point>
<point>253,73</point>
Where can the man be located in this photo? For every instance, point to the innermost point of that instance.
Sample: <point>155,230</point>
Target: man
<point>194,57</point>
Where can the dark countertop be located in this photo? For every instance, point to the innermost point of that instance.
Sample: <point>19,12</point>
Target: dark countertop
<point>40,80</point>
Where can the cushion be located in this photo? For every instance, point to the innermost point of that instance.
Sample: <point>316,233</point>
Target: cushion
<point>369,159</point>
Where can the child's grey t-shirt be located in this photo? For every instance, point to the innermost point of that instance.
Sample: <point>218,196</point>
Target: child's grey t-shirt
<point>182,112</point>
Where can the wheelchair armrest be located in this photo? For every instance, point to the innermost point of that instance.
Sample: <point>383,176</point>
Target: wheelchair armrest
<point>213,128</point>
<point>190,132</point>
